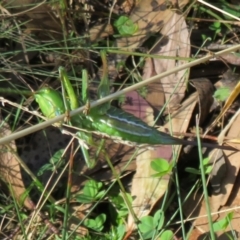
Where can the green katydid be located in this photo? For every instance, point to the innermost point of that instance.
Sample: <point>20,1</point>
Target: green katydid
<point>106,119</point>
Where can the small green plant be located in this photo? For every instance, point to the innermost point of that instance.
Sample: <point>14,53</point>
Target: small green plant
<point>222,94</point>
<point>222,224</point>
<point>216,27</point>
<point>92,192</point>
<point>97,223</point>
<point>120,206</point>
<point>207,168</point>
<point>161,166</point>
<point>55,162</point>
<point>151,226</point>
<point>117,233</point>
<point>121,231</point>
<point>125,26</point>
<point>167,235</point>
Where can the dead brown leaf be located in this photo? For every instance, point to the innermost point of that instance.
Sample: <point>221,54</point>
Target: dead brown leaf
<point>205,92</point>
<point>150,18</point>
<point>10,169</point>
<point>227,182</point>
<point>146,189</point>
<point>174,43</point>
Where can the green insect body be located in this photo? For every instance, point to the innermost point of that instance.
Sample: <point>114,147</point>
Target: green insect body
<point>114,122</point>
<point>122,125</point>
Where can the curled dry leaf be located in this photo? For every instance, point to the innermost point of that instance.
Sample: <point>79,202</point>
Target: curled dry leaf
<point>152,189</point>
<point>174,43</point>
<point>145,188</point>
<point>232,162</point>
<point>219,170</point>
<point>205,92</point>
<point>10,169</point>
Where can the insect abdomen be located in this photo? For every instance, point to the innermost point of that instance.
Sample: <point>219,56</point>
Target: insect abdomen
<point>117,123</point>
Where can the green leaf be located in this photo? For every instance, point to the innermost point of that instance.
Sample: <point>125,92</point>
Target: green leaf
<point>54,161</point>
<point>84,199</point>
<point>167,235</point>
<point>206,161</point>
<point>222,224</point>
<point>97,223</point>
<point>147,224</point>
<point>120,205</point>
<point>192,170</point>
<point>161,166</point>
<point>147,227</point>
<point>100,220</point>
<point>207,168</point>
<point>92,188</point>
<point>121,229</point>
<point>148,235</point>
<point>119,202</point>
<point>91,192</point>
<point>222,94</point>
<point>158,219</point>
<point>215,26</point>
<point>125,26</point>
<point>205,37</point>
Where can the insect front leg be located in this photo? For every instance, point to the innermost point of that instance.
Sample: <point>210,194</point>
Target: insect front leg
<point>85,92</point>
<point>78,120</point>
<point>68,91</point>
